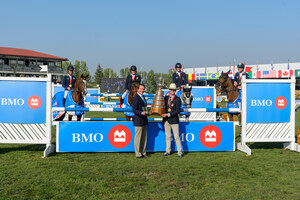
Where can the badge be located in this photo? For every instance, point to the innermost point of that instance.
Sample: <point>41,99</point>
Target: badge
<point>169,110</point>
<point>70,85</point>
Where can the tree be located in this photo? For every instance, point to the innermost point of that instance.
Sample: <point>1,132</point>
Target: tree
<point>98,74</point>
<point>76,68</point>
<point>124,72</point>
<point>65,66</point>
<point>109,73</point>
<point>151,82</point>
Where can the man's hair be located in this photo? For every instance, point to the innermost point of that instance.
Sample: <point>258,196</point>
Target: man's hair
<point>141,85</point>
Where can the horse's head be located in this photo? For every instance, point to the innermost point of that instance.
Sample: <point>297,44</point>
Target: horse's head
<point>223,81</point>
<point>186,96</point>
<point>81,85</point>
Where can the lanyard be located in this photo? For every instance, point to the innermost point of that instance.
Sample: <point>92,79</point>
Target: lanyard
<point>70,79</point>
<point>132,77</point>
<point>170,101</point>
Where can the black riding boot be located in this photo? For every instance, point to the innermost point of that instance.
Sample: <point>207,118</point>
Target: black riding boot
<point>64,102</point>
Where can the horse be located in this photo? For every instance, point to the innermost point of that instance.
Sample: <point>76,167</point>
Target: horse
<point>233,94</point>
<point>126,102</point>
<point>74,98</point>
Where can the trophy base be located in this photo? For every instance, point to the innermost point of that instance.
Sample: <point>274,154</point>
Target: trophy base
<point>157,111</point>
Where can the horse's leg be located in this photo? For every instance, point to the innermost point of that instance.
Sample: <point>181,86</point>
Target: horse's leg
<point>127,118</point>
<point>230,117</point>
<point>79,117</point>
<point>70,117</point>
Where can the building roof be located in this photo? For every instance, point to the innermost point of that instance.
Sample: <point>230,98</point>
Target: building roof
<point>27,53</point>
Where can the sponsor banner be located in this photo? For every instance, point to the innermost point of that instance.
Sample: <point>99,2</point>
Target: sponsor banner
<point>92,99</point>
<point>297,73</point>
<point>119,136</point>
<point>268,102</point>
<point>23,102</point>
<point>202,97</point>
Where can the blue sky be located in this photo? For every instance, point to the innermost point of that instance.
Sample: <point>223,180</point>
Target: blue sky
<point>155,34</point>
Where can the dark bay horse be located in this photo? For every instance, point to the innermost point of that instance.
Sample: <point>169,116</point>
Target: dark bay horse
<point>126,102</point>
<point>74,99</point>
<point>225,84</point>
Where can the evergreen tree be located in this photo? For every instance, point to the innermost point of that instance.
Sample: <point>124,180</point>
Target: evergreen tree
<point>124,72</point>
<point>98,74</point>
<point>109,73</point>
<point>151,85</point>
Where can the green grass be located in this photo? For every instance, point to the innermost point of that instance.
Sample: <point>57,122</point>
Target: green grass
<point>270,173</point>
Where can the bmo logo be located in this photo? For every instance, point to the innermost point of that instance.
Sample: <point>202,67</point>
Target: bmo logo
<point>34,102</point>
<point>261,102</point>
<point>207,99</point>
<point>210,136</point>
<point>119,136</point>
<point>280,102</point>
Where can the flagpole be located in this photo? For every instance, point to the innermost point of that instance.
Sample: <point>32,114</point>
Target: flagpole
<point>234,66</point>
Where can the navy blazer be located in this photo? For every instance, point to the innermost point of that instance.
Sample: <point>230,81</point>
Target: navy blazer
<point>237,77</point>
<point>179,81</point>
<point>175,110</point>
<point>66,82</point>
<point>137,108</point>
<point>137,79</point>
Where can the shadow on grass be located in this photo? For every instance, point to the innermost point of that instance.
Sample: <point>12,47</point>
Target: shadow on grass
<point>266,145</point>
<point>31,147</point>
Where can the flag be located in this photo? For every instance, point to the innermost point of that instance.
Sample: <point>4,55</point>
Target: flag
<point>213,75</point>
<point>231,75</point>
<point>248,69</point>
<point>201,76</point>
<point>256,74</point>
<point>205,69</point>
<point>285,73</point>
<point>250,74</point>
<point>190,78</point>
<point>269,74</point>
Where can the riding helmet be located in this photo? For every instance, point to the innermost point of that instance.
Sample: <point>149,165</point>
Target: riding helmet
<point>71,68</point>
<point>133,68</point>
<point>178,65</point>
<point>241,65</point>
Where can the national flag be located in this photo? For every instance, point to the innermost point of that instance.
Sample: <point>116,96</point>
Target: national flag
<point>269,74</point>
<point>213,75</point>
<point>201,76</point>
<point>256,74</point>
<point>248,69</point>
<point>250,74</point>
<point>231,75</point>
<point>285,73</point>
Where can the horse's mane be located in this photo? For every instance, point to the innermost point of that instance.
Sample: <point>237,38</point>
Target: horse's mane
<point>132,92</point>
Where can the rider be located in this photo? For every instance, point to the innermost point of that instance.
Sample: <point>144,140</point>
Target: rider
<point>237,80</point>
<point>179,77</point>
<point>133,77</point>
<point>68,82</point>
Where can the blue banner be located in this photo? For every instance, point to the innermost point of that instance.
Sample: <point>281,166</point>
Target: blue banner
<point>23,102</point>
<point>58,89</point>
<point>92,99</point>
<point>268,102</point>
<point>119,136</point>
<point>203,97</point>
